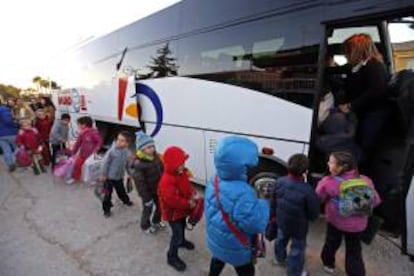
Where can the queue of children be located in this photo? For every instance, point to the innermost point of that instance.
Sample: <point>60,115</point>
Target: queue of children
<point>235,217</point>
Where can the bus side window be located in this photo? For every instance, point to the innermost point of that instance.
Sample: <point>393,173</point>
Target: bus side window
<point>401,33</point>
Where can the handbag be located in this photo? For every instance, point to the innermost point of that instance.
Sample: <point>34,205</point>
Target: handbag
<point>196,214</point>
<point>100,191</point>
<point>257,244</point>
<point>92,168</point>
<point>64,168</point>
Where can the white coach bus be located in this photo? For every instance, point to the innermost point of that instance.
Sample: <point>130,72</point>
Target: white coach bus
<point>200,70</point>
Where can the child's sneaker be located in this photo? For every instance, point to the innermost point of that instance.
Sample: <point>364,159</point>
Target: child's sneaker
<point>278,263</point>
<point>305,273</point>
<point>70,181</point>
<point>329,270</point>
<point>150,230</point>
<point>159,226</point>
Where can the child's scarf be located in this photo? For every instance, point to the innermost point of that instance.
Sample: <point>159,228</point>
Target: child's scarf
<point>143,156</point>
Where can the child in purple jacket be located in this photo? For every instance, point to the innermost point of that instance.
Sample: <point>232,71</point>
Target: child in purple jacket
<point>343,165</point>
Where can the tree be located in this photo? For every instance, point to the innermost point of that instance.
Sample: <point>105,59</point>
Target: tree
<point>44,84</point>
<point>54,85</point>
<point>36,80</point>
<point>163,65</point>
<point>8,91</point>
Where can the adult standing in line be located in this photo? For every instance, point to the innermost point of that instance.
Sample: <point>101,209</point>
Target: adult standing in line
<point>8,132</point>
<point>366,93</point>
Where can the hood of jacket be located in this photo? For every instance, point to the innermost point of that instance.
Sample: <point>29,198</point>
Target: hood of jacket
<point>173,158</point>
<point>234,156</point>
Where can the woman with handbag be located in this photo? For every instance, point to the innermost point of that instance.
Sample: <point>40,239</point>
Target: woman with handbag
<point>236,219</point>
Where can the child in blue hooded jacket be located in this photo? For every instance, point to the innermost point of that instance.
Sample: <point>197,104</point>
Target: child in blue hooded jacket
<point>233,156</point>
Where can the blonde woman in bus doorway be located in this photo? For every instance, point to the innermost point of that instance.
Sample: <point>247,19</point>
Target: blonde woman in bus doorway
<point>366,93</point>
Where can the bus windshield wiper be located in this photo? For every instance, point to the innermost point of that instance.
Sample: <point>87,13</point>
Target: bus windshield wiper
<point>118,65</point>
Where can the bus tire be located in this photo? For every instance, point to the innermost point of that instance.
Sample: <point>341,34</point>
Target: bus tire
<point>264,176</point>
<point>264,183</point>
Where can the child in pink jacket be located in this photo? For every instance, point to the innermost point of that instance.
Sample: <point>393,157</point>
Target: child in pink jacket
<point>342,165</point>
<point>89,142</point>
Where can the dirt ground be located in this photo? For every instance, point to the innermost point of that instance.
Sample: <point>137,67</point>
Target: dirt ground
<point>50,228</point>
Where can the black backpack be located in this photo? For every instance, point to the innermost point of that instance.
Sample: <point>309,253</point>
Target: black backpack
<point>401,92</point>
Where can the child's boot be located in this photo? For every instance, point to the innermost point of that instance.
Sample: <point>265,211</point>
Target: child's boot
<point>176,263</point>
<point>187,245</point>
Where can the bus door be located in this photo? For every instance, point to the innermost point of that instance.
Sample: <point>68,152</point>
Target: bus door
<point>393,163</point>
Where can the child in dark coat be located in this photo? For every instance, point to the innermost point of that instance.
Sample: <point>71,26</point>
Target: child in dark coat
<point>297,204</point>
<point>146,169</point>
<point>177,198</point>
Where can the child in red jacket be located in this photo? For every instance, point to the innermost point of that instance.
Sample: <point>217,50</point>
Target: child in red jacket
<point>43,124</point>
<point>28,139</point>
<point>177,198</point>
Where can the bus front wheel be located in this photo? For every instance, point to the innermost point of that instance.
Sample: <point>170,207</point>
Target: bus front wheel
<point>264,183</point>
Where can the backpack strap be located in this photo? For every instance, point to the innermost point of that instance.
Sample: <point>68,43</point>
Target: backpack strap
<point>239,235</point>
<point>339,179</point>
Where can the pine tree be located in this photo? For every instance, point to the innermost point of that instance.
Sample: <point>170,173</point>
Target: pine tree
<point>163,65</point>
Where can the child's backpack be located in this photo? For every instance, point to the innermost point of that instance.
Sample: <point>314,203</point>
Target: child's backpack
<point>23,158</point>
<point>356,197</point>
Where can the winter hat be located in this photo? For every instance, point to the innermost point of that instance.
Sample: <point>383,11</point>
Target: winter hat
<point>143,140</point>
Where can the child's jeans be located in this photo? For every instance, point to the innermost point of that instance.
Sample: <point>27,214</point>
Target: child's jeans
<point>296,258</point>
<point>109,185</point>
<point>150,208</point>
<point>177,238</point>
<point>354,264</point>
<point>8,147</point>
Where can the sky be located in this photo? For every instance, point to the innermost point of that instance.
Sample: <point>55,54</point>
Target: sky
<point>33,32</point>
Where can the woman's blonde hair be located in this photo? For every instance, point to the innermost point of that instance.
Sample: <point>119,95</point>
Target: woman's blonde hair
<point>361,47</point>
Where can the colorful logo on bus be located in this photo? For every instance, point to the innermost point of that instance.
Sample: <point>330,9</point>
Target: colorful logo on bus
<point>133,109</point>
<point>72,100</point>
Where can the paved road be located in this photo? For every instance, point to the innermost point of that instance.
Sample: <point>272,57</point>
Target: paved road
<point>49,228</point>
